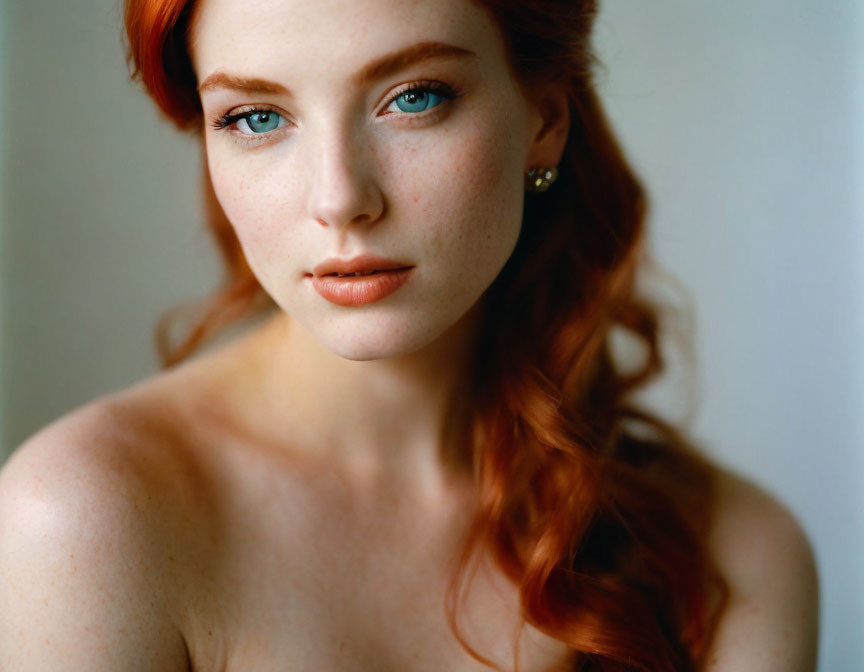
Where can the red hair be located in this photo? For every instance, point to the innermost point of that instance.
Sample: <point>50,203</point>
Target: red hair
<point>597,510</point>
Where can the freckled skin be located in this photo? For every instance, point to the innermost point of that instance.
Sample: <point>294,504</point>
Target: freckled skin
<point>277,505</point>
<point>443,194</point>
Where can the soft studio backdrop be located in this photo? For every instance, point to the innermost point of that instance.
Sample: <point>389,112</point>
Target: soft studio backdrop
<point>745,118</point>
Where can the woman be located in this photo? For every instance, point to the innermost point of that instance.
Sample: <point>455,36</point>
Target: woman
<point>437,467</point>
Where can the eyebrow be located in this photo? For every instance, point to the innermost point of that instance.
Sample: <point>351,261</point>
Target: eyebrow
<point>380,68</point>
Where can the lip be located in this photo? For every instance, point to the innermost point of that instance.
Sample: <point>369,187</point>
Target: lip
<point>360,290</point>
<point>362,264</point>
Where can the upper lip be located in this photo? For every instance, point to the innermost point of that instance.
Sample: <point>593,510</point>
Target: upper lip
<point>364,263</point>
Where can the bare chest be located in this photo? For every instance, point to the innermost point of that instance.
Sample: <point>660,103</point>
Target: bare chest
<point>350,586</point>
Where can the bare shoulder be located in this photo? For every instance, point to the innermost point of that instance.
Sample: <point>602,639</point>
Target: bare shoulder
<point>81,550</point>
<point>81,467</point>
<point>771,620</point>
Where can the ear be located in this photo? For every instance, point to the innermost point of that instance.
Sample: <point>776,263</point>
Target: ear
<point>550,124</point>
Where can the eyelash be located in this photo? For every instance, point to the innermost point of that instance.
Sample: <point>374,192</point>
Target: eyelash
<point>225,121</point>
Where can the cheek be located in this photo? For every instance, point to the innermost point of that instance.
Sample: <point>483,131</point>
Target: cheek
<point>461,195</point>
<point>472,197</point>
<point>242,198</point>
<point>256,209</point>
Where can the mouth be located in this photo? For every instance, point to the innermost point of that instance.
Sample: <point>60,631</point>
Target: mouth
<point>360,288</point>
<point>364,273</point>
<point>365,264</point>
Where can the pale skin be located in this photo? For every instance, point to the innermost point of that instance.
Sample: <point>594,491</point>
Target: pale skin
<point>291,501</point>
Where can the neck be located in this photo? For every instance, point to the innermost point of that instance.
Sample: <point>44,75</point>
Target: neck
<point>399,420</point>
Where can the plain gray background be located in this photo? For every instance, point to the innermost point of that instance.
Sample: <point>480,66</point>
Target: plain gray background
<point>744,117</point>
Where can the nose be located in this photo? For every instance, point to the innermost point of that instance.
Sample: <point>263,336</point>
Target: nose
<point>343,189</point>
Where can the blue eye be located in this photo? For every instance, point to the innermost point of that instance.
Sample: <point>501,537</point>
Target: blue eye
<point>261,121</point>
<point>256,124</point>
<point>417,100</point>
<point>253,122</point>
<point>420,98</point>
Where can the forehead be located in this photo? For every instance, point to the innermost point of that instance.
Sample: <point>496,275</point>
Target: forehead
<point>326,38</point>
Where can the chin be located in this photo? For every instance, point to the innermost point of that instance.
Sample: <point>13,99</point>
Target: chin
<point>379,342</point>
<point>390,331</point>
<point>373,337</point>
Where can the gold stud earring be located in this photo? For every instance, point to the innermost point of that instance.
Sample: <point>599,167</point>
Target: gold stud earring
<point>540,179</point>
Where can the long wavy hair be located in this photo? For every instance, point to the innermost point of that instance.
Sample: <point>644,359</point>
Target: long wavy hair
<point>597,510</point>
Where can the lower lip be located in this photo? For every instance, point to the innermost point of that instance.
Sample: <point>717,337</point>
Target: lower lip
<point>360,290</point>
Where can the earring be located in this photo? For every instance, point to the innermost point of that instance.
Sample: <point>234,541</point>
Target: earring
<point>540,179</point>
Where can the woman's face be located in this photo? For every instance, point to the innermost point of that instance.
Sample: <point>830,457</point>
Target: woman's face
<point>310,161</point>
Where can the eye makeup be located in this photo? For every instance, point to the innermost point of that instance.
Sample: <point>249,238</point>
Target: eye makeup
<point>243,114</point>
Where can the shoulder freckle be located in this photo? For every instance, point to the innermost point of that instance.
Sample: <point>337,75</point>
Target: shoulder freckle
<point>79,472</point>
<point>82,552</point>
